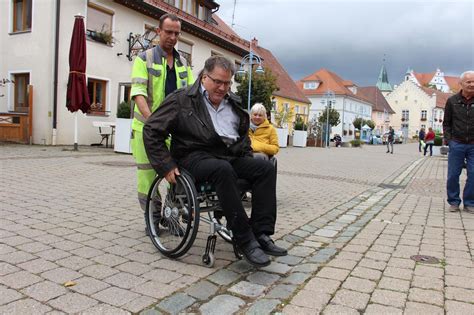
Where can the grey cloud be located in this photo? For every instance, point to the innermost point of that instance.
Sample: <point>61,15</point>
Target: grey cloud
<point>351,37</point>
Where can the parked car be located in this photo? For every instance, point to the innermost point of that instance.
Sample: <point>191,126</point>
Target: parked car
<point>398,137</point>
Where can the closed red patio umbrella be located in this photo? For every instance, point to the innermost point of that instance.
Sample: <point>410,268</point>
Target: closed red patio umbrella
<point>77,97</point>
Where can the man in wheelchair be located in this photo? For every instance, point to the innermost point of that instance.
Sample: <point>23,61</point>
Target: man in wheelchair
<point>209,132</point>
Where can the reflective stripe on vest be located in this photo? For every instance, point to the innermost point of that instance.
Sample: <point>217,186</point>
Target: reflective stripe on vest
<point>139,117</point>
<point>139,81</point>
<point>149,67</point>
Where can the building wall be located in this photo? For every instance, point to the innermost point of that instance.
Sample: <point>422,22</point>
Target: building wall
<point>408,96</point>
<point>296,107</point>
<point>349,109</point>
<point>30,52</point>
<point>34,52</point>
<point>382,121</point>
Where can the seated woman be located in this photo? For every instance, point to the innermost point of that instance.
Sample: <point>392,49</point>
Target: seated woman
<point>262,134</point>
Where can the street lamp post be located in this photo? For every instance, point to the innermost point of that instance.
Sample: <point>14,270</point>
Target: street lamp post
<point>250,59</point>
<point>329,96</point>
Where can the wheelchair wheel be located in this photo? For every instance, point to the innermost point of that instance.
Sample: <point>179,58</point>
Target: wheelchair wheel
<point>172,215</point>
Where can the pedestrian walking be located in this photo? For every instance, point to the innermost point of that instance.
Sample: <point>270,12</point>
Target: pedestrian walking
<point>429,141</point>
<point>156,73</point>
<point>458,126</point>
<point>390,140</point>
<point>421,139</point>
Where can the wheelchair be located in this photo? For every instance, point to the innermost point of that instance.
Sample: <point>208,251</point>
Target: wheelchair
<point>174,211</point>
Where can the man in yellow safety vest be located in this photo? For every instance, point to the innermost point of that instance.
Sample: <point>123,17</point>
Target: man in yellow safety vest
<point>156,73</point>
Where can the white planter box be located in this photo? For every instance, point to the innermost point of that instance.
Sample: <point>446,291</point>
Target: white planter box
<point>299,138</point>
<point>123,133</point>
<point>282,137</point>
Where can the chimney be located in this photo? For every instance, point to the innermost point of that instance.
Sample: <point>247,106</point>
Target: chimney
<point>254,43</point>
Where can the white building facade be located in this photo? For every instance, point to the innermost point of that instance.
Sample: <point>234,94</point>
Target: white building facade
<point>28,57</point>
<point>416,107</point>
<point>349,109</point>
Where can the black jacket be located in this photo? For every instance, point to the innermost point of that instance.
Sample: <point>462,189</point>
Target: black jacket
<point>458,122</point>
<point>184,115</point>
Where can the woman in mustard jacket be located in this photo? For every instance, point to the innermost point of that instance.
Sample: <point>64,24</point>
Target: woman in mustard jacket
<point>262,134</point>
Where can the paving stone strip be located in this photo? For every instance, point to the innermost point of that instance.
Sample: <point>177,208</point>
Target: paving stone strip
<point>240,288</point>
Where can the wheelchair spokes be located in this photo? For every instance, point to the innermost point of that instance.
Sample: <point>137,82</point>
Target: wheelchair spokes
<point>173,220</point>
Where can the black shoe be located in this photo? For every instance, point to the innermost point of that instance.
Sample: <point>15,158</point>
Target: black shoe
<point>388,151</point>
<point>269,247</point>
<point>253,254</point>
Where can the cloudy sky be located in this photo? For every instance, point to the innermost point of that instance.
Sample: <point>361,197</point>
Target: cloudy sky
<point>351,38</point>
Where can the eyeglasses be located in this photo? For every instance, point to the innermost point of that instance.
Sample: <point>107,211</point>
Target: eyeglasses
<point>169,33</point>
<point>220,82</point>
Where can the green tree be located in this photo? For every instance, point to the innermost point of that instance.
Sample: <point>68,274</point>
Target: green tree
<point>333,117</point>
<point>370,123</point>
<point>263,86</point>
<point>358,123</point>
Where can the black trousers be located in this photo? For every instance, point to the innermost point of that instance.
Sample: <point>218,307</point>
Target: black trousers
<point>223,175</point>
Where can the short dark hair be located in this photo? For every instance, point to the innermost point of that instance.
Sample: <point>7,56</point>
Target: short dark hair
<point>218,61</point>
<point>170,16</point>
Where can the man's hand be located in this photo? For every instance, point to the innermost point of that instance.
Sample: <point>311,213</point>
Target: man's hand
<point>171,175</point>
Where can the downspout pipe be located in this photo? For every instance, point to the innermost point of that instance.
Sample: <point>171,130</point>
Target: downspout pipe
<point>56,65</point>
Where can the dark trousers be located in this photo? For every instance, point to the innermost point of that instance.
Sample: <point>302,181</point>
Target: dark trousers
<point>431,148</point>
<point>223,175</point>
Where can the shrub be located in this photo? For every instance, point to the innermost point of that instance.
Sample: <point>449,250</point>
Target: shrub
<point>283,117</point>
<point>356,143</point>
<point>438,141</point>
<point>123,110</point>
<point>299,124</point>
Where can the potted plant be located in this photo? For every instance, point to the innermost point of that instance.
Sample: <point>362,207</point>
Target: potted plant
<point>102,36</point>
<point>300,133</point>
<point>356,143</point>
<point>123,128</point>
<point>282,118</point>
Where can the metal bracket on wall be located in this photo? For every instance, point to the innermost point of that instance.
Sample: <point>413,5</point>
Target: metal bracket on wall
<point>140,42</point>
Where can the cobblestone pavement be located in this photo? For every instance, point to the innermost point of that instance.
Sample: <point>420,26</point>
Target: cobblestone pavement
<point>351,219</point>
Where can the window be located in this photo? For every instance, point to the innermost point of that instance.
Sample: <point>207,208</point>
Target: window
<point>310,85</point>
<point>274,105</point>
<point>204,13</point>
<point>172,2</point>
<point>97,94</point>
<point>423,126</point>
<point>286,106</point>
<point>406,97</point>
<point>185,50</point>
<point>379,115</point>
<point>188,6</point>
<point>20,98</point>
<point>21,15</point>
<point>423,115</point>
<point>99,23</point>
<point>405,115</point>
<point>297,109</point>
